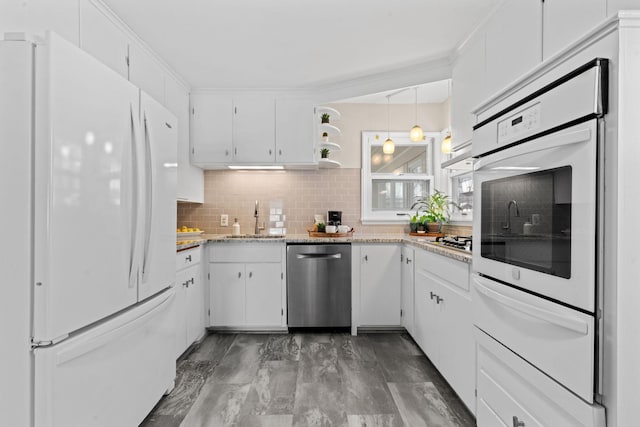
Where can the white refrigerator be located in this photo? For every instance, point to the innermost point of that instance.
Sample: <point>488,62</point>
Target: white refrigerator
<point>87,181</point>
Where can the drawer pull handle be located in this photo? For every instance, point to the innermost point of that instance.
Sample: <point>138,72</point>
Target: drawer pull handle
<point>431,294</point>
<point>438,299</point>
<point>187,258</point>
<point>517,423</point>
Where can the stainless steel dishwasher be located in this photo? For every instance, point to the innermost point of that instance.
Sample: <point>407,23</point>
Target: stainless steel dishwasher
<point>319,285</point>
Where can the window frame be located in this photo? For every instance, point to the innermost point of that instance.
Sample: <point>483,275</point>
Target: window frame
<point>367,214</point>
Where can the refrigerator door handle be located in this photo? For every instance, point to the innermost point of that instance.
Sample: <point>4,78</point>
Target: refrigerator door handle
<point>148,190</point>
<point>135,201</point>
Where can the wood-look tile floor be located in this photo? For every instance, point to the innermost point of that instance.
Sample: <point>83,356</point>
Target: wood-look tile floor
<point>309,379</point>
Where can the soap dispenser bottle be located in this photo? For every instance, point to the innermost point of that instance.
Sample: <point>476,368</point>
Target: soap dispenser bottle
<point>235,228</point>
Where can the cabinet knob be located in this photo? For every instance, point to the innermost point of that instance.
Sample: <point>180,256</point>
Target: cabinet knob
<point>280,152</point>
<point>366,258</point>
<point>270,151</point>
<point>239,274</point>
<point>250,274</point>
<point>226,152</point>
<point>517,423</point>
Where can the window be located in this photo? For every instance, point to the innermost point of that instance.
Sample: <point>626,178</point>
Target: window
<point>391,182</point>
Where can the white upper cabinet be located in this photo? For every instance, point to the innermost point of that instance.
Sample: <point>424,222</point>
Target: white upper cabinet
<point>467,88</point>
<point>146,73</point>
<point>254,131</point>
<point>36,16</point>
<point>513,41</point>
<point>190,186</point>
<point>565,21</point>
<point>294,131</point>
<point>103,39</point>
<point>211,129</point>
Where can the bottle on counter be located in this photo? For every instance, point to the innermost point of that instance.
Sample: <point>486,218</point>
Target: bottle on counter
<point>235,228</point>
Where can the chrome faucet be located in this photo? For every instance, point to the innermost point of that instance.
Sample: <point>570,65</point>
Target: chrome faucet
<point>507,226</point>
<point>255,214</point>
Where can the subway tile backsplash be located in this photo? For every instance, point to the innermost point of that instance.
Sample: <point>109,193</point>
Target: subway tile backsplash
<point>301,193</point>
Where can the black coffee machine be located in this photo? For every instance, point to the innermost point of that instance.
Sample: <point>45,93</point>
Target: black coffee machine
<point>334,218</point>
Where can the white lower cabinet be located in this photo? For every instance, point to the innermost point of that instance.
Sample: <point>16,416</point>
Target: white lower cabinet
<point>407,288</point>
<point>247,286</point>
<point>190,299</point>
<point>443,325</point>
<point>513,392</point>
<point>377,274</point>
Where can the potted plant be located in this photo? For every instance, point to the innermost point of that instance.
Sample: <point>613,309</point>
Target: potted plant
<point>324,153</point>
<point>325,118</point>
<point>416,223</point>
<point>434,209</point>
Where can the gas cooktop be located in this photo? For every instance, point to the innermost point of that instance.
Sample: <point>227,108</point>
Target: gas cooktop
<point>461,243</point>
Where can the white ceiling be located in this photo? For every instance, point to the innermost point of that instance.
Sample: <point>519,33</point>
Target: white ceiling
<point>282,44</point>
<point>428,93</point>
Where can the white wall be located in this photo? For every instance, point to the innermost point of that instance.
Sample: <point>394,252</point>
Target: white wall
<point>35,16</point>
<point>356,118</point>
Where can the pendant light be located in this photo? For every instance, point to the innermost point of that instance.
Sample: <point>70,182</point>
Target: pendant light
<point>416,134</point>
<point>388,147</point>
<point>445,146</point>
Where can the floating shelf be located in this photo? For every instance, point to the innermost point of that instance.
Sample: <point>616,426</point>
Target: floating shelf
<point>330,129</point>
<point>328,164</point>
<point>335,114</point>
<point>332,146</point>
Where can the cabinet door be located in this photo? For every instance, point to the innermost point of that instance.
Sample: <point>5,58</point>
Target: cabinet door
<point>180,311</point>
<point>407,289</point>
<point>380,285</point>
<point>227,294</point>
<point>102,39</point>
<point>426,316</point>
<point>194,305</point>
<point>294,131</point>
<point>467,89</point>
<point>264,294</point>
<point>254,128</point>
<point>190,187</point>
<point>457,345</point>
<point>513,42</point>
<point>146,73</point>
<point>211,128</point>
<point>566,20</point>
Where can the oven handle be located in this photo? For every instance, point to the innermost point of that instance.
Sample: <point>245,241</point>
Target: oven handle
<point>566,322</point>
<point>549,142</point>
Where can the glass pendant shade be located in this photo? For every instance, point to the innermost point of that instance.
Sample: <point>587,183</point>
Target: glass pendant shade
<point>416,134</point>
<point>446,144</point>
<point>388,147</point>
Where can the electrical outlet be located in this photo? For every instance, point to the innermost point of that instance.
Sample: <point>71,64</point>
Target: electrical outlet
<point>224,220</point>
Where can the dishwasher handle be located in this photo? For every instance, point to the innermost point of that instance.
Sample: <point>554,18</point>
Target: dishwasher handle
<point>319,256</point>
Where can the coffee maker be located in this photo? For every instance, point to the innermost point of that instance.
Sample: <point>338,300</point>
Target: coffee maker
<point>334,217</point>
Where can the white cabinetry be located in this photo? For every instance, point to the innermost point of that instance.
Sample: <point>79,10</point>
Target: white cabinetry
<point>145,72</point>
<point>407,277</point>
<point>513,42</point>
<point>565,21</point>
<point>189,299</point>
<point>190,186</point>
<point>247,286</point>
<point>251,129</point>
<point>443,324</point>
<point>211,129</point>
<point>294,131</point>
<point>467,88</point>
<point>100,36</point>
<point>378,279</point>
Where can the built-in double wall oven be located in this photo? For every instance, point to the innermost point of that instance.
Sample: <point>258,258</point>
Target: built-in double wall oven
<point>536,238</point>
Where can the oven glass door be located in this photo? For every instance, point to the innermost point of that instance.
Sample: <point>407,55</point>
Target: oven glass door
<point>537,215</point>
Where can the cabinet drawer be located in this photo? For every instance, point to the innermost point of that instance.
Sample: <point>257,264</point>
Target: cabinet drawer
<point>245,253</point>
<point>187,258</point>
<point>509,387</point>
<point>451,270</point>
<point>187,277</point>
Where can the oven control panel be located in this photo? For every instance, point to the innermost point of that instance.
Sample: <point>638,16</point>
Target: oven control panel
<point>519,125</point>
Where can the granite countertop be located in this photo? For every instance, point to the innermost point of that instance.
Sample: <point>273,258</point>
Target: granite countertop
<point>418,242</point>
